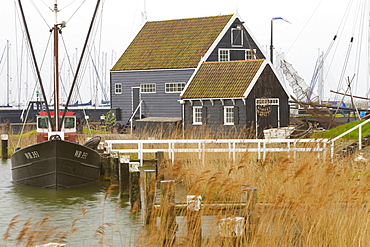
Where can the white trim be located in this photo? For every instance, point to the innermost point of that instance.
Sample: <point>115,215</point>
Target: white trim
<point>191,78</point>
<point>255,78</point>
<point>225,115</point>
<point>178,83</point>
<point>224,31</point>
<point>219,54</point>
<point>197,117</point>
<point>213,99</point>
<point>115,87</point>
<point>232,37</point>
<point>148,83</point>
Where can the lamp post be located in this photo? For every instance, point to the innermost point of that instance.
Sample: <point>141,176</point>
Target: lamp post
<point>271,44</point>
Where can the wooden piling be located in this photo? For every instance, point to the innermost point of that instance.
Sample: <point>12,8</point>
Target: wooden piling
<point>114,166</point>
<point>134,186</point>
<point>160,166</point>
<point>167,215</point>
<point>124,179</point>
<point>4,146</point>
<point>249,196</point>
<point>150,189</point>
<point>194,220</point>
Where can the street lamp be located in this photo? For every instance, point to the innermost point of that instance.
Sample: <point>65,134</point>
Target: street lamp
<point>271,45</point>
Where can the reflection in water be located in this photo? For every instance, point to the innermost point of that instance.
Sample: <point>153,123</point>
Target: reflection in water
<point>84,205</point>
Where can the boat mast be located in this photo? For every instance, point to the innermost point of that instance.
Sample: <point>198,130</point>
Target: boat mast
<point>56,69</point>
<point>7,73</point>
<point>34,58</point>
<point>80,61</point>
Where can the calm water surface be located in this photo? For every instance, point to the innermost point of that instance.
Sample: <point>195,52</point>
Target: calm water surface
<point>84,203</point>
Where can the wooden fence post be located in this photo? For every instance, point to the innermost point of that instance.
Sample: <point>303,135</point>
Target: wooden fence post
<point>135,186</point>
<point>168,216</point>
<point>194,220</point>
<point>150,189</point>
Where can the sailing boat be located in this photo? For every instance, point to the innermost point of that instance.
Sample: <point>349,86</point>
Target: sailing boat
<point>56,161</point>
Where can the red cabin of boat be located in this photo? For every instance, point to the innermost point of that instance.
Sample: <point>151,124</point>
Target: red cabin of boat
<point>45,131</point>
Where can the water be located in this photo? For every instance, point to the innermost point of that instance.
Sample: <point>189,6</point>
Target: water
<point>84,205</point>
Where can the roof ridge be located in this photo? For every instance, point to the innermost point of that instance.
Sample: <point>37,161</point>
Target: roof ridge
<point>234,61</point>
<point>192,18</point>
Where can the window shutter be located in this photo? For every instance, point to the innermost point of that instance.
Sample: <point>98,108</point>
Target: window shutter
<point>236,115</point>
<point>204,115</point>
<point>221,115</point>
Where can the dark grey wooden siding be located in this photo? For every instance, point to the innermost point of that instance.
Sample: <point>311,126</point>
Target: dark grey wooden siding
<point>159,104</point>
<point>248,43</point>
<point>267,86</point>
<point>213,117</point>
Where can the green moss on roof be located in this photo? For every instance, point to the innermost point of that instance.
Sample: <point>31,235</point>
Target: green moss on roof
<point>222,79</point>
<point>172,44</point>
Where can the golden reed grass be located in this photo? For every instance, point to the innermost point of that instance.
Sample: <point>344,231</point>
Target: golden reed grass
<point>302,201</point>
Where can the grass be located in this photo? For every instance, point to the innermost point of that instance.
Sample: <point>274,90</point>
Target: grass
<point>343,128</point>
<point>307,201</point>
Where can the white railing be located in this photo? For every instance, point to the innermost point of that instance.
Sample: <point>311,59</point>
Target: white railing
<point>230,146</point>
<point>359,127</point>
<point>134,113</point>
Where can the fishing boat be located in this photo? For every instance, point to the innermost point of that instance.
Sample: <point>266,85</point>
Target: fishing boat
<point>57,160</point>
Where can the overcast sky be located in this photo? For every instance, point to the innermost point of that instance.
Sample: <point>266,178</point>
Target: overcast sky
<point>313,26</point>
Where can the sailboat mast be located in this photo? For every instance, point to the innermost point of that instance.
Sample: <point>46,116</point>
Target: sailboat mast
<point>56,69</point>
<point>7,73</point>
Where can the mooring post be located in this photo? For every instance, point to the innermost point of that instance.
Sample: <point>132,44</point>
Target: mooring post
<point>135,186</point>
<point>114,164</point>
<point>167,215</point>
<point>150,189</point>
<point>159,166</point>
<point>4,146</point>
<point>231,230</point>
<point>249,196</point>
<point>194,220</point>
<point>124,175</point>
<point>107,170</point>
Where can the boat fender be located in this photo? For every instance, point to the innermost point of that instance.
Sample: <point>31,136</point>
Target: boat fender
<point>55,137</point>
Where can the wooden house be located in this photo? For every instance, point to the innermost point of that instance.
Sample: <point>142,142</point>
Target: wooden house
<point>236,97</point>
<point>148,78</point>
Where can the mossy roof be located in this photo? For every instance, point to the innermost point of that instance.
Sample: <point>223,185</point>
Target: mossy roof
<point>172,44</point>
<point>222,79</point>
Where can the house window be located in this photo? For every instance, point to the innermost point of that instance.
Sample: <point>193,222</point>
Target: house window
<point>175,87</point>
<point>118,88</point>
<point>197,115</point>
<point>147,87</point>
<point>250,54</point>
<point>237,37</point>
<point>229,115</point>
<point>223,55</point>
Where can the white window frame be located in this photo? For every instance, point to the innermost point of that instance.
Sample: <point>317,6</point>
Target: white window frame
<point>197,115</point>
<point>232,37</point>
<point>148,88</point>
<point>117,88</point>
<point>174,87</point>
<point>223,55</point>
<point>250,54</point>
<point>229,120</point>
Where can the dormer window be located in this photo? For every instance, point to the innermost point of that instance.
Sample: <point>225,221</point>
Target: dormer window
<point>237,37</point>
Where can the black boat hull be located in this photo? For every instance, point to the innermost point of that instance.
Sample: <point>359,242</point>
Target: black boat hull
<point>56,164</point>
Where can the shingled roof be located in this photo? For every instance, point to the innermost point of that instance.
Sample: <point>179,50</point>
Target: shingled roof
<point>172,44</point>
<point>222,79</point>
